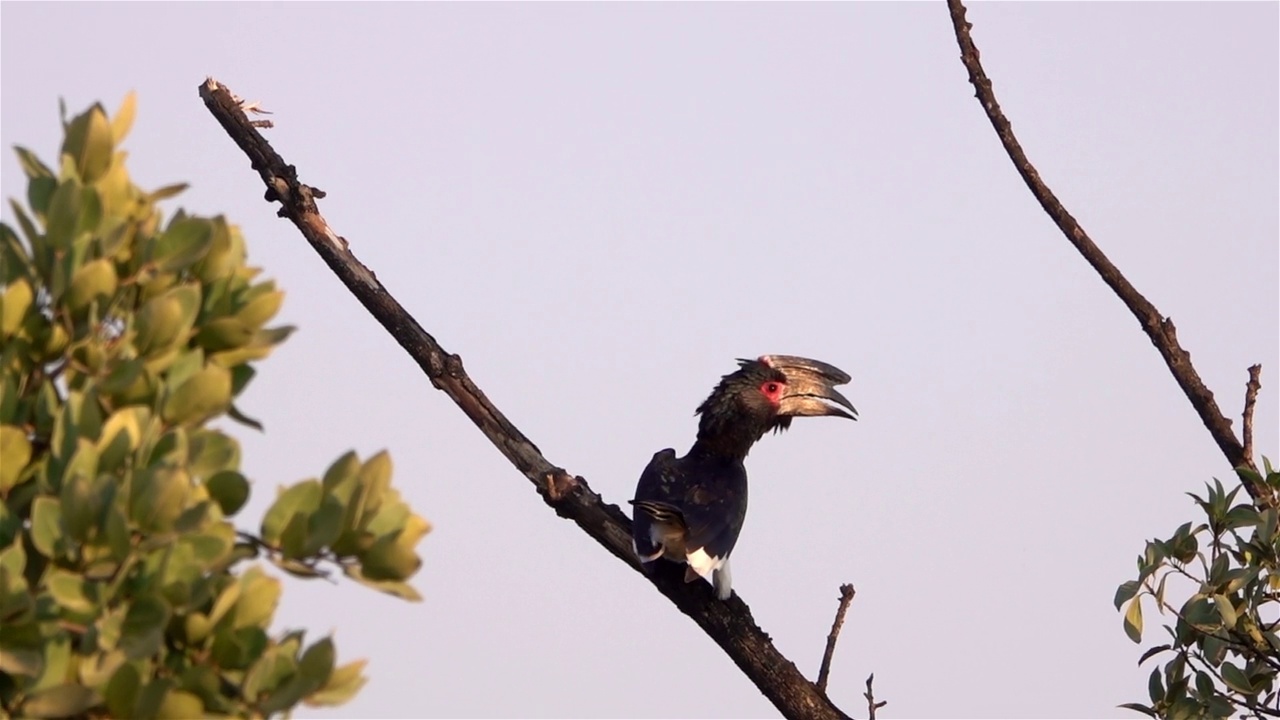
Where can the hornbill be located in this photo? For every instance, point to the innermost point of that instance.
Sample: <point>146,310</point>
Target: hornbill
<point>690,509</point>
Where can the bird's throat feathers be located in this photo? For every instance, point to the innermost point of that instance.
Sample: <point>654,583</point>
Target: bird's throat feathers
<point>735,415</point>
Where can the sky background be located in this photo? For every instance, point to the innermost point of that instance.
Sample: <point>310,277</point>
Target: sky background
<point>601,206</point>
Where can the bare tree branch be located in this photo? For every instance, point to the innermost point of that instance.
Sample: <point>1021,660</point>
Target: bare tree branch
<point>846,596</point>
<point>1157,327</point>
<point>728,623</point>
<point>872,705</point>
<point>1250,399</point>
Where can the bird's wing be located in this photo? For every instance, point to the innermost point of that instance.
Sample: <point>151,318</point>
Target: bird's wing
<point>713,510</point>
<point>708,500</point>
<point>652,491</point>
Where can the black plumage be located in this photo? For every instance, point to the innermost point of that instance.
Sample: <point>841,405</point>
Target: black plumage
<point>691,509</point>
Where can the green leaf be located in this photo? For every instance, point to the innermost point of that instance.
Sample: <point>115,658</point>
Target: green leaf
<point>69,591</point>
<point>1125,592</point>
<point>324,526</point>
<point>234,413</point>
<point>183,244</point>
<point>258,598</point>
<point>14,303</point>
<point>1221,707</point>
<point>166,319</point>
<point>402,590</point>
<point>1226,610</point>
<point>46,527</point>
<point>1204,684</point>
<point>1152,652</point>
<point>15,263</point>
<point>1184,709</point>
<point>316,664</point>
<point>230,490</point>
<point>21,661</point>
<point>180,705</point>
<point>122,691</point>
<point>1155,688</point>
<point>97,669</point>
<point>225,333</point>
<point>60,701</point>
<point>122,121</point>
<point>212,452</point>
<point>260,310</point>
<point>89,142</point>
<point>167,192</point>
<point>94,281</point>
<point>226,601</point>
<point>1133,620</point>
<point>143,631</point>
<point>300,500</point>
<point>341,471</point>
<point>201,396</point>
<point>1236,680</point>
<point>31,164</point>
<point>79,511</point>
<point>344,682</point>
<point>16,450</point>
<point>389,559</point>
<point>1139,707</point>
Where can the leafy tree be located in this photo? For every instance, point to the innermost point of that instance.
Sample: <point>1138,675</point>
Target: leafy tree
<point>1223,636</point>
<point>125,588</point>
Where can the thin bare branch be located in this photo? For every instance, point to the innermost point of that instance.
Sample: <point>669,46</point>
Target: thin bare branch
<point>846,596</point>
<point>728,623</point>
<point>1158,328</point>
<point>872,705</point>
<point>1250,399</point>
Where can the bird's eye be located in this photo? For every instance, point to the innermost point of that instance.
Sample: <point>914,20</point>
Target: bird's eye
<point>770,388</point>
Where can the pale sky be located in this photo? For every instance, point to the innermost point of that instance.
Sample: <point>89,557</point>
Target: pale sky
<point>601,206</point>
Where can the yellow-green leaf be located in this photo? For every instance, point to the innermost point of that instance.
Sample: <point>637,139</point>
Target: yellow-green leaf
<point>16,450</point>
<point>122,121</point>
<point>180,705</point>
<point>60,701</point>
<point>261,309</point>
<point>95,280</point>
<point>14,304</point>
<point>204,394</point>
<point>225,333</point>
<point>183,244</point>
<point>344,682</point>
<point>1133,620</point>
<point>89,142</point>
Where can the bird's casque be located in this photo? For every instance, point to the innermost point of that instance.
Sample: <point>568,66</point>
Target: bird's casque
<point>690,509</point>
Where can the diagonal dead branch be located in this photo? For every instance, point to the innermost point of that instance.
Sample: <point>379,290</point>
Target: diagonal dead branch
<point>1157,327</point>
<point>1250,399</point>
<point>846,596</point>
<point>728,623</point>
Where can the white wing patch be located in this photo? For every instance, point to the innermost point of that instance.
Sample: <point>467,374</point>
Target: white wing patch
<point>714,570</point>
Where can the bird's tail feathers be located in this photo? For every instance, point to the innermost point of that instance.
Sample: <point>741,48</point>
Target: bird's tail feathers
<point>660,512</point>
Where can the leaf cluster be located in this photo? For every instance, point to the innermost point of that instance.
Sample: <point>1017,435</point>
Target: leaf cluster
<point>1223,635</point>
<point>123,585</point>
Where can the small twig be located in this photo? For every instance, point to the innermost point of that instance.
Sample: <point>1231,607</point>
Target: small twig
<point>846,596</point>
<point>870,695</point>
<point>1250,399</point>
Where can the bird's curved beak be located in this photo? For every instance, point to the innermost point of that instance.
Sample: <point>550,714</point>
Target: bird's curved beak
<point>811,388</point>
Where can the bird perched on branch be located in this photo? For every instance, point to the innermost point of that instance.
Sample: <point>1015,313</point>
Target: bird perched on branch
<point>690,509</point>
